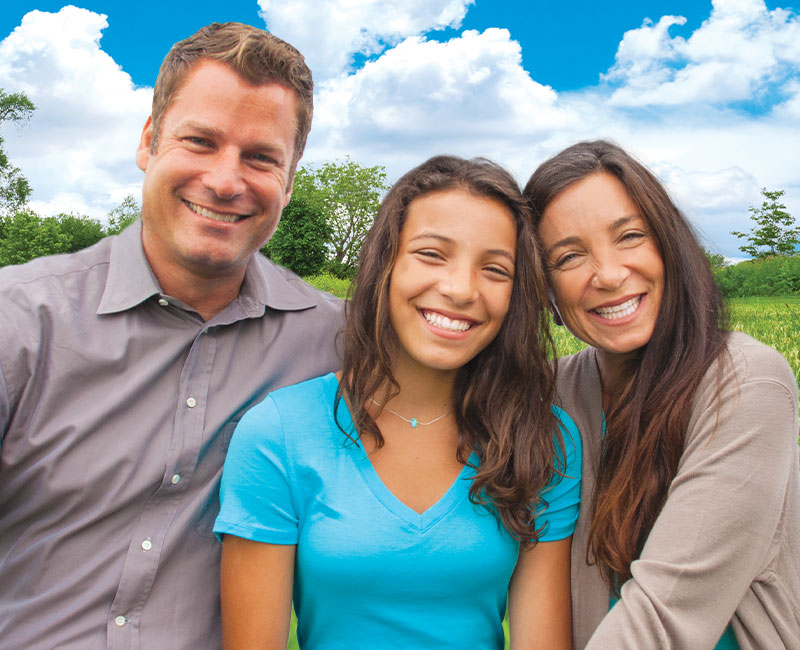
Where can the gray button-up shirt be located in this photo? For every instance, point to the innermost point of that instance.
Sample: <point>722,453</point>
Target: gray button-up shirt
<point>117,404</point>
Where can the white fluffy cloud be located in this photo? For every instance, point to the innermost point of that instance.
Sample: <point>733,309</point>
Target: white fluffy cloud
<point>330,32</point>
<point>734,56</point>
<point>674,101</point>
<point>469,95</point>
<point>78,149</point>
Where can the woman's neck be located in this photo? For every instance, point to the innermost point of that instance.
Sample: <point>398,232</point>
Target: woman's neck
<point>613,369</point>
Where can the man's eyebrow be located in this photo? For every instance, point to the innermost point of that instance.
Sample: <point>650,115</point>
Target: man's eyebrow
<point>211,132</point>
<point>203,129</point>
<point>448,240</point>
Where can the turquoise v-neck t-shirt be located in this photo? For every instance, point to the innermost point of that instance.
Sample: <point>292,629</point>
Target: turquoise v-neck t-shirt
<point>371,572</point>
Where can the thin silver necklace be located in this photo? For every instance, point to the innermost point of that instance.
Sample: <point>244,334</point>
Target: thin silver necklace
<point>414,422</point>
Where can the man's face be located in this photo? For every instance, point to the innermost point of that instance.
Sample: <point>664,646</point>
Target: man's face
<point>215,187</point>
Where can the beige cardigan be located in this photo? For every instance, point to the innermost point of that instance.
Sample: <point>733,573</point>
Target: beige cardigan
<point>726,546</point>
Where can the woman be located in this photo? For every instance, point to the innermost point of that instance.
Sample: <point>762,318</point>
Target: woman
<point>395,495</point>
<point>691,499</point>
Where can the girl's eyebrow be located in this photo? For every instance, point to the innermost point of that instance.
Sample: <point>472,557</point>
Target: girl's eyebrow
<point>427,234</point>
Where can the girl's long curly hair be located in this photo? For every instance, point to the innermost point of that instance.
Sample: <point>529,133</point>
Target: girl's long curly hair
<point>503,396</point>
<point>648,417</point>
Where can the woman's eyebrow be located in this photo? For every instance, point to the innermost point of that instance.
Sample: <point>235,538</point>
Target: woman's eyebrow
<point>567,241</point>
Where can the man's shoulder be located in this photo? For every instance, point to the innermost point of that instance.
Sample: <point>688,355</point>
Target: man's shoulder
<point>322,299</point>
<point>55,270</point>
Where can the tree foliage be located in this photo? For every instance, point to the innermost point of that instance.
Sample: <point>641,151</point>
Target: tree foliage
<point>772,276</point>
<point>123,215</point>
<point>348,194</point>
<point>14,187</point>
<point>25,235</point>
<point>716,261</point>
<point>299,241</point>
<point>774,231</point>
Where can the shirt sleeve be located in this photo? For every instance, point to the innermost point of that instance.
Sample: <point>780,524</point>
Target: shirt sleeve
<point>563,494</point>
<point>256,494</point>
<point>715,533</point>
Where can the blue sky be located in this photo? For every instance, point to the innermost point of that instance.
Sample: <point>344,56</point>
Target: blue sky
<point>707,94</point>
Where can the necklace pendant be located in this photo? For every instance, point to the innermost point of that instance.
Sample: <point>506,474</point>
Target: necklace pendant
<point>413,422</point>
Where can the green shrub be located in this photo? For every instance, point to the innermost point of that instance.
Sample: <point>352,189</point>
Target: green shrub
<point>771,276</point>
<point>330,283</point>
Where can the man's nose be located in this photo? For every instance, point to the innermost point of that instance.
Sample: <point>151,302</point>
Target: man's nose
<point>224,176</point>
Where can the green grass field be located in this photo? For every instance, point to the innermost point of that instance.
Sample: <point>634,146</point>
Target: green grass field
<point>772,320</point>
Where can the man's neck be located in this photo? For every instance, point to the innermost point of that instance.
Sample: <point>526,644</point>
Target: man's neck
<point>208,296</point>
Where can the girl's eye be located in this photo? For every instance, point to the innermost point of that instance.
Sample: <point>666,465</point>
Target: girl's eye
<point>500,271</point>
<point>430,254</point>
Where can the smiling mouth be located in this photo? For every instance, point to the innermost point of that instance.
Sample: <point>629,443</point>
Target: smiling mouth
<point>445,323</point>
<point>619,311</point>
<point>216,216</point>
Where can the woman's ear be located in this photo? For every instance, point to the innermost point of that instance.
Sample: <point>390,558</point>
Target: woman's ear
<point>554,308</point>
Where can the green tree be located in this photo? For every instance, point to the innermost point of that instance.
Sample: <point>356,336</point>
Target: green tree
<point>27,236</point>
<point>80,231</point>
<point>14,187</point>
<point>774,232</point>
<point>123,215</point>
<point>299,241</point>
<point>715,260</point>
<point>349,196</point>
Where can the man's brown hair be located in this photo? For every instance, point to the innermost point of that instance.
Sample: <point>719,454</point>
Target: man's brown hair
<point>255,55</point>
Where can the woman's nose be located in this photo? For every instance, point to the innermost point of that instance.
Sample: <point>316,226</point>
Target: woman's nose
<point>609,273</point>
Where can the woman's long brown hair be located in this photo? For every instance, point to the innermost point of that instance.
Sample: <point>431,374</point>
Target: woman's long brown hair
<point>648,416</point>
<point>503,396</point>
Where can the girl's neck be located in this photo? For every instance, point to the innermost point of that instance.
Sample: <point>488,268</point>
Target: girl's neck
<point>424,392</point>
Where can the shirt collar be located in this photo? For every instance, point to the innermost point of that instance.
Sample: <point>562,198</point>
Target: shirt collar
<point>131,281</point>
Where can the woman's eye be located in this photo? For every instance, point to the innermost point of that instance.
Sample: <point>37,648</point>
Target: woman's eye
<point>429,254</point>
<point>632,236</point>
<point>564,260</point>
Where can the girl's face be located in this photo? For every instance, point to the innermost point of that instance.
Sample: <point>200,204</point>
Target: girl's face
<point>604,267</point>
<point>451,282</point>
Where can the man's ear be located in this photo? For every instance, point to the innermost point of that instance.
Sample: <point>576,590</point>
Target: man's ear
<point>143,150</point>
<point>290,185</point>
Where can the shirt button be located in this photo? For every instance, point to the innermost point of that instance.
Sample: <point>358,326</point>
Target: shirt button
<point>163,302</point>
<point>120,621</point>
<point>191,402</point>
<point>175,479</point>
<point>147,544</point>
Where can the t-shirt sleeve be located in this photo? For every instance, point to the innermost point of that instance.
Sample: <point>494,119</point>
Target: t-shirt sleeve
<point>256,494</point>
<point>562,495</point>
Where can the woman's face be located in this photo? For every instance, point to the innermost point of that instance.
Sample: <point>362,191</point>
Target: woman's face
<point>604,267</point>
<point>451,282</point>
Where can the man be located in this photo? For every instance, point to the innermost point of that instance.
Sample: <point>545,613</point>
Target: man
<point>125,367</point>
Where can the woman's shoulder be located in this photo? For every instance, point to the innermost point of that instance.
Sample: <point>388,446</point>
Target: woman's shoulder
<point>748,359</point>
<point>293,412</point>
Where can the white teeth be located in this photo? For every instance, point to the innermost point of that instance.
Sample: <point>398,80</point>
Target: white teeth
<point>446,323</point>
<point>228,218</point>
<point>619,311</point>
